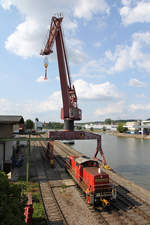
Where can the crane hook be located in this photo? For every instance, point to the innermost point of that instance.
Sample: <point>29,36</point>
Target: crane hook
<point>45,65</point>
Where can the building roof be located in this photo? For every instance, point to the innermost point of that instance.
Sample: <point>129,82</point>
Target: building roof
<point>82,159</point>
<point>95,171</point>
<point>11,119</point>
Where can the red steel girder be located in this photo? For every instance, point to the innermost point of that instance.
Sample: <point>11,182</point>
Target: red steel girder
<point>79,135</point>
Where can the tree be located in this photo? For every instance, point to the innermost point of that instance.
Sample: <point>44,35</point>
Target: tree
<point>54,125</point>
<point>104,128</point>
<point>108,121</point>
<point>79,128</point>
<point>121,129</point>
<point>11,202</point>
<point>29,124</point>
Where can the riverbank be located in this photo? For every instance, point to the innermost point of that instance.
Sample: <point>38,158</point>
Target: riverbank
<point>138,136</point>
<point>116,133</point>
<point>129,157</point>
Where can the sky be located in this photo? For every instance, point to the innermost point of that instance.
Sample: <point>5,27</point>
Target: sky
<point>108,48</point>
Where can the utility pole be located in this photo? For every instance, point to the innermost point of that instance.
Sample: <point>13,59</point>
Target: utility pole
<point>27,160</point>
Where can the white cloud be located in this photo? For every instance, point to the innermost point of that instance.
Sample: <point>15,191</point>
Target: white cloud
<point>92,68</point>
<point>125,57</point>
<point>139,107</point>
<point>6,4</point>
<point>53,103</point>
<point>6,107</point>
<point>142,37</point>
<point>86,8</point>
<point>114,108</point>
<point>135,11</point>
<point>41,79</point>
<point>136,83</point>
<point>29,35</point>
<point>75,50</point>
<point>97,44</point>
<point>26,40</point>
<point>142,95</point>
<point>89,91</point>
<point>126,2</point>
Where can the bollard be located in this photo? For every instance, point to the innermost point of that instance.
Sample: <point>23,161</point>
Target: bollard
<point>28,210</point>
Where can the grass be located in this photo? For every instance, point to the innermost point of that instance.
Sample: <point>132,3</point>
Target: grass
<point>38,217</point>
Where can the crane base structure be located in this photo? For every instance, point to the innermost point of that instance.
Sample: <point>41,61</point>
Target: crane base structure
<point>68,125</point>
<point>78,135</point>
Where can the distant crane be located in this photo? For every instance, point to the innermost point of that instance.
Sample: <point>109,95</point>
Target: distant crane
<point>70,111</point>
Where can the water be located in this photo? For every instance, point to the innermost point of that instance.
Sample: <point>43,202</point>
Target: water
<point>129,157</point>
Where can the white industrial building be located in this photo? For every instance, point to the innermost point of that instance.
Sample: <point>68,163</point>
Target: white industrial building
<point>133,126</point>
<point>38,124</point>
<point>141,127</point>
<point>101,126</point>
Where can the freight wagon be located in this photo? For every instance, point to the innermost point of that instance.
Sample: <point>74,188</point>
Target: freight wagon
<point>91,179</point>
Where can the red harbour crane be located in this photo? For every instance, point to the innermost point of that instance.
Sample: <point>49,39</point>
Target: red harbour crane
<point>70,111</point>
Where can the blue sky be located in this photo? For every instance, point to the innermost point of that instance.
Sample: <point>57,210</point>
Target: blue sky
<point>108,46</point>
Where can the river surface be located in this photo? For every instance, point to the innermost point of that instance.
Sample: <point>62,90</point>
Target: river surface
<point>130,157</point>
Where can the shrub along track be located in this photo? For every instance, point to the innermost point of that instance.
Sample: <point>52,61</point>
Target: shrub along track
<point>127,209</point>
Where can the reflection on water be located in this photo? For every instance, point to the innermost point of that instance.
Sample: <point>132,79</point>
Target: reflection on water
<point>129,157</point>
<point>136,173</point>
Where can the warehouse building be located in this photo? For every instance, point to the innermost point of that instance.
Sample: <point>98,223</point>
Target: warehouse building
<point>8,124</point>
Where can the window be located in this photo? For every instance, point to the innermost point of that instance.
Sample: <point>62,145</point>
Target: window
<point>77,164</point>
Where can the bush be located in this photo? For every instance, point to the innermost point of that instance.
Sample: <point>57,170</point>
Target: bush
<point>11,202</point>
<point>121,129</point>
<point>29,124</point>
<point>54,125</point>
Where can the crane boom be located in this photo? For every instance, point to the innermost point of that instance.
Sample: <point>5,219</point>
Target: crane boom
<point>70,110</point>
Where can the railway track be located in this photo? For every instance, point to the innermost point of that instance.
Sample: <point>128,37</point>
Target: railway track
<point>71,206</point>
<point>127,209</point>
<point>53,211</point>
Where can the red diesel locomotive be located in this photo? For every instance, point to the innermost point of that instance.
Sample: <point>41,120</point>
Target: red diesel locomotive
<point>91,179</point>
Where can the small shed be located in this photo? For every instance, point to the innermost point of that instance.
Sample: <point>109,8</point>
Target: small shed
<point>8,124</point>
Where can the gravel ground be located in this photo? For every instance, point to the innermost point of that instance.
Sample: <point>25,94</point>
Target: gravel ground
<point>74,207</point>
<point>21,171</point>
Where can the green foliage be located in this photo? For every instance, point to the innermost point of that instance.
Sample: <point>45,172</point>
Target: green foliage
<point>104,128</point>
<point>38,216</point>
<point>91,129</point>
<point>29,124</point>
<point>11,202</point>
<point>120,128</point>
<point>79,127</point>
<point>108,121</point>
<point>54,125</point>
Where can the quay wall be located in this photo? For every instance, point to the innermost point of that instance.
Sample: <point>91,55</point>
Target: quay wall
<point>128,185</point>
